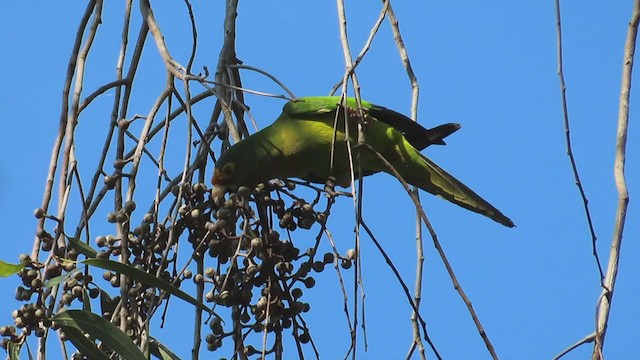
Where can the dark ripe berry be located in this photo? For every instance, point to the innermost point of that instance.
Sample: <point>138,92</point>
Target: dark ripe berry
<point>121,217</point>
<point>296,293</point>
<point>119,164</point>
<point>47,245</point>
<point>309,282</point>
<point>39,213</point>
<point>129,206</point>
<point>66,299</point>
<point>346,264</point>
<point>304,269</point>
<point>42,234</point>
<point>31,274</point>
<point>317,266</point>
<point>306,223</point>
<point>111,217</point>
<point>304,337</point>
<point>20,293</point>
<point>198,279</point>
<point>36,283</point>
<point>225,296</point>
<point>39,332</point>
<point>110,181</point>
<point>148,218</point>
<point>244,192</point>
<point>4,331</point>
<point>328,258</point>
<point>101,241</point>
<point>24,258</point>
<point>187,274</point>
<point>184,209</point>
<point>94,293</point>
<point>218,201</point>
<point>199,189</point>
<point>19,322</point>
<point>195,213</point>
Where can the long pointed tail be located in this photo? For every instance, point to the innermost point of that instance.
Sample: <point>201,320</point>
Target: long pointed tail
<point>444,185</point>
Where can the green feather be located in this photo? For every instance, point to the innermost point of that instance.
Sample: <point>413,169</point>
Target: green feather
<point>298,144</point>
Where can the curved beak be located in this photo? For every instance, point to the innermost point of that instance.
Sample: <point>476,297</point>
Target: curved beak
<point>216,180</point>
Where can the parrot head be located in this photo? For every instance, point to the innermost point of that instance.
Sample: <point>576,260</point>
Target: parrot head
<point>223,177</point>
<point>223,174</point>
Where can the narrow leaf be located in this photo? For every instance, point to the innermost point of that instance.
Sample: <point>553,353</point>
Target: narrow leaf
<point>82,248</point>
<point>7,269</point>
<point>99,328</point>
<point>147,279</point>
<point>161,351</point>
<point>87,347</point>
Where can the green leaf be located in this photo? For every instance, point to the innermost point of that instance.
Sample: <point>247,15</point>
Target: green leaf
<point>82,248</point>
<point>60,278</point>
<point>13,350</point>
<point>84,345</point>
<point>147,279</point>
<point>98,328</point>
<point>107,305</point>
<point>160,351</point>
<point>7,269</point>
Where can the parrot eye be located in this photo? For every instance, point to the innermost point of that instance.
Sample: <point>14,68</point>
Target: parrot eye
<point>228,169</point>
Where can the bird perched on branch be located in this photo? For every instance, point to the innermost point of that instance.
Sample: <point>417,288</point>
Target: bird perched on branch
<point>300,143</point>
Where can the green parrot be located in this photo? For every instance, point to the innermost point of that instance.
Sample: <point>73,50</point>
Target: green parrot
<point>298,145</point>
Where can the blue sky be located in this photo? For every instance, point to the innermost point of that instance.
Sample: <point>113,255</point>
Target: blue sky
<point>490,66</point>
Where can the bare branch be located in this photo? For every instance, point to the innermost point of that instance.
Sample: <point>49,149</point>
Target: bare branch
<point>574,167</point>
<point>604,302</point>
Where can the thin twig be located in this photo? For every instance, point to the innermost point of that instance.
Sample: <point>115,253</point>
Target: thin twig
<point>438,246</point>
<point>574,167</point>
<point>405,288</point>
<point>585,340</point>
<point>272,77</point>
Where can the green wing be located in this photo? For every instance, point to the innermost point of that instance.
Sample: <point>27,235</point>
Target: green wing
<point>323,108</point>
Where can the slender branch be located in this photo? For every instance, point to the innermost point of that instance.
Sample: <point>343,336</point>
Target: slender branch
<point>405,288</point>
<point>604,303</point>
<point>585,340</point>
<point>438,246</point>
<point>574,167</point>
